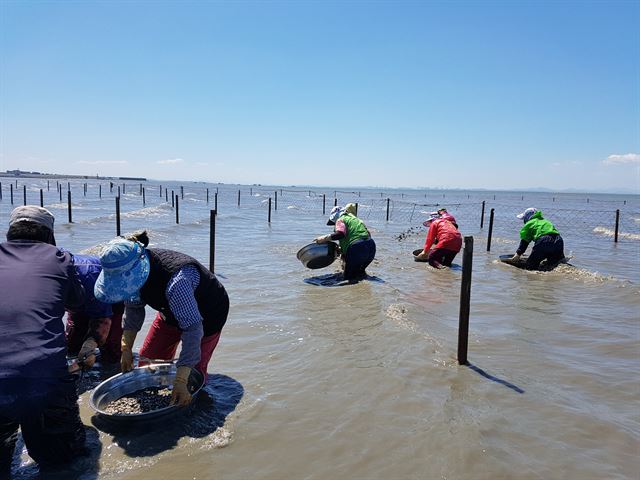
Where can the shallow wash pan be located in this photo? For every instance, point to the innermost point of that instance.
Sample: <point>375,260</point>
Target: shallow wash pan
<point>417,252</point>
<point>318,255</point>
<point>160,375</point>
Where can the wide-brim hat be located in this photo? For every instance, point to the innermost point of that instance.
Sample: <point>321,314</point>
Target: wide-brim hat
<point>334,215</point>
<point>432,216</point>
<point>125,269</point>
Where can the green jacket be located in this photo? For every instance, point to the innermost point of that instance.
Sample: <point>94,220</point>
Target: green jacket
<point>356,230</point>
<point>536,227</point>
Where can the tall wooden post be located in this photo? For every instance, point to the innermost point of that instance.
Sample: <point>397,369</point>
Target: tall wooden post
<point>118,216</point>
<point>490,230</point>
<point>212,238</point>
<point>69,205</point>
<point>465,300</point>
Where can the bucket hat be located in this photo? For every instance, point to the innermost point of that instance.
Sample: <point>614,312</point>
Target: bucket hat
<point>34,214</point>
<point>350,208</point>
<point>125,269</point>
<point>335,214</point>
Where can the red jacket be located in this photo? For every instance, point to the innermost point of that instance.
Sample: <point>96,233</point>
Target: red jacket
<point>444,234</point>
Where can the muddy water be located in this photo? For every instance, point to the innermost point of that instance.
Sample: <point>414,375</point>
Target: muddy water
<point>362,382</point>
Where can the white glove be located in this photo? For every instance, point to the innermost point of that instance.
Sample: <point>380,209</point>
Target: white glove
<point>323,239</point>
<point>515,258</point>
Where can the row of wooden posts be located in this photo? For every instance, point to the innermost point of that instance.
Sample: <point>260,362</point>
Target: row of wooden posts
<point>175,204</point>
<point>467,259</point>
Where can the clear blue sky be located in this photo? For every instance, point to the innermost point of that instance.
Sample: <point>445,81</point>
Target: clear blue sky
<point>504,94</point>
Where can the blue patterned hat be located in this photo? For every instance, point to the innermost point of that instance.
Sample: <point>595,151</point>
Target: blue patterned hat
<point>125,269</point>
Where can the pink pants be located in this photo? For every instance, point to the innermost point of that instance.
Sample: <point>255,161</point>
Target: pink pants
<point>162,342</point>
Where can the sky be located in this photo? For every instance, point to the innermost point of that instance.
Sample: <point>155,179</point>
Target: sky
<point>392,94</point>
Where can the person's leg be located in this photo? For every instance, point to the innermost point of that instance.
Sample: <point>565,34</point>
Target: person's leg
<point>448,256</point>
<point>207,346</point>
<point>556,251</point>
<point>352,263</point>
<point>436,257</point>
<point>359,256</point>
<point>57,435</point>
<point>538,253</point>
<point>8,438</point>
<point>369,254</point>
<point>161,342</point>
<point>76,331</point>
<point>110,351</point>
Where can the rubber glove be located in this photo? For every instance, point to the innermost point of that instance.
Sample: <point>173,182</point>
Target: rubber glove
<point>126,360</point>
<point>323,239</point>
<point>180,394</point>
<point>87,355</point>
<point>515,258</point>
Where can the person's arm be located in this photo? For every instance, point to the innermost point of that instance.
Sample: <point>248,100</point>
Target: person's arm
<point>180,294</point>
<point>131,324</point>
<point>338,234</point>
<point>522,247</point>
<point>96,336</point>
<point>340,231</point>
<point>526,235</point>
<point>431,237</point>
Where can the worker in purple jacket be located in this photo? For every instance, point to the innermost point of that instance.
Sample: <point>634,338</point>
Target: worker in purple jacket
<point>95,324</point>
<point>37,393</point>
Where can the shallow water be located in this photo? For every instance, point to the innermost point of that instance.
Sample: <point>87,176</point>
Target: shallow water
<point>361,381</point>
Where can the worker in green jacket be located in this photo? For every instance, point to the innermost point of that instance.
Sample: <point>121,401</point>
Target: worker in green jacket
<point>357,247</point>
<point>548,243</point>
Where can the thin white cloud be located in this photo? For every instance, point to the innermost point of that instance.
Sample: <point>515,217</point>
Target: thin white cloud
<point>170,161</point>
<point>570,163</point>
<point>102,162</point>
<point>202,164</point>
<point>622,159</point>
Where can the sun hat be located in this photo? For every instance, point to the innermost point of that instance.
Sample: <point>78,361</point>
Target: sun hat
<point>125,269</point>
<point>335,214</point>
<point>527,214</point>
<point>34,214</point>
<point>350,208</point>
<point>432,216</point>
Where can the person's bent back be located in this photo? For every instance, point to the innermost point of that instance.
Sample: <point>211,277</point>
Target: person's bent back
<point>36,391</point>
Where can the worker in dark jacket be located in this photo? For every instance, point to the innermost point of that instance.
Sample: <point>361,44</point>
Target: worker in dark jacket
<point>192,305</point>
<point>548,244</point>
<point>37,393</point>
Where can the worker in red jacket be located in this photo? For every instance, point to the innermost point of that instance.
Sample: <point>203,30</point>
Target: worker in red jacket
<point>444,237</point>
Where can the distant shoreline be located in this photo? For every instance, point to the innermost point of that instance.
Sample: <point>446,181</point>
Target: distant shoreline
<point>20,174</point>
